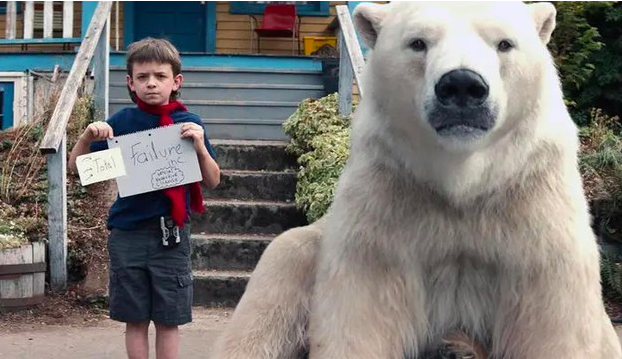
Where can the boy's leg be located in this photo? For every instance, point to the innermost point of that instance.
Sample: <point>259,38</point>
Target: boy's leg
<point>167,341</point>
<point>137,340</point>
<point>171,288</point>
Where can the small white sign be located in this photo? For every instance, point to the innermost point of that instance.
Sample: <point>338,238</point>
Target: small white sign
<point>100,166</point>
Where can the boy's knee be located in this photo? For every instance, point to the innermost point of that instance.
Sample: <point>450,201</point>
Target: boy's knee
<point>137,326</point>
<point>164,327</point>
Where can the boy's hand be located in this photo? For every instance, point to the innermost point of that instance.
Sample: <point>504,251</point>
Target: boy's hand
<point>194,131</point>
<point>97,131</point>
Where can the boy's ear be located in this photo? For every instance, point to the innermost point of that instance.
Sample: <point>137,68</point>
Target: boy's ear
<point>130,82</point>
<point>178,80</point>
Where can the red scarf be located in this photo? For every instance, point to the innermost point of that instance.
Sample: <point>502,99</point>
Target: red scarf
<point>177,195</point>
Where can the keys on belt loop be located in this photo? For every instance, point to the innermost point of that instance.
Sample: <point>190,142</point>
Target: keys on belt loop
<point>170,232</point>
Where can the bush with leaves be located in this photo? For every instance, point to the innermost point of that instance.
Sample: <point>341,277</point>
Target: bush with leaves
<point>313,117</point>
<point>320,138</point>
<point>603,88</point>
<point>600,162</point>
<point>587,46</point>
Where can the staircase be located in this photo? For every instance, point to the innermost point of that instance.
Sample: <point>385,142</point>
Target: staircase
<point>236,103</point>
<point>243,110</point>
<point>252,204</point>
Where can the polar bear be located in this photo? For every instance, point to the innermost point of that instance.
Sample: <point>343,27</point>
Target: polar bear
<point>461,207</point>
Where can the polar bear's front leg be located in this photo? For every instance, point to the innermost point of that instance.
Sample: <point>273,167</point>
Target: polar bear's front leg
<point>362,310</point>
<point>553,316</point>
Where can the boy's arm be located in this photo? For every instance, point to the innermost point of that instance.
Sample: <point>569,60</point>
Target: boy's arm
<point>209,168</point>
<point>95,131</point>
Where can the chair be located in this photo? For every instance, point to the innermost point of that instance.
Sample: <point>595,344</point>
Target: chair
<point>279,20</point>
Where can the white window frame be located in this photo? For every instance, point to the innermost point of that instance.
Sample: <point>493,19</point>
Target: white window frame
<point>20,95</point>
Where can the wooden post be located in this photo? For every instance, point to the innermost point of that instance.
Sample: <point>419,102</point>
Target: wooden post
<point>29,17</point>
<point>58,122</point>
<point>48,19</point>
<point>101,68</point>
<point>11,19</point>
<point>346,76</point>
<point>352,44</point>
<point>57,216</point>
<point>67,19</point>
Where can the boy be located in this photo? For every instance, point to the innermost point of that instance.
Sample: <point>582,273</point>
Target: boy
<point>148,280</point>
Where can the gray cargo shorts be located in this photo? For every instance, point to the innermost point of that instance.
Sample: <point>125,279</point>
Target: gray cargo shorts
<point>147,281</point>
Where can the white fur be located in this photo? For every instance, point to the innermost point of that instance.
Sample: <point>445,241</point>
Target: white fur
<point>427,234</point>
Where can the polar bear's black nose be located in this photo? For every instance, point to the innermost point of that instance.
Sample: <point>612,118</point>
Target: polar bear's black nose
<point>461,88</point>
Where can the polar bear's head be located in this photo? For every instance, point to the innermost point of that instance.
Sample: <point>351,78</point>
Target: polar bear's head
<point>461,74</point>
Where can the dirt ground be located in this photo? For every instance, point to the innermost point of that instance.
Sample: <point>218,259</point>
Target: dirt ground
<point>103,338</point>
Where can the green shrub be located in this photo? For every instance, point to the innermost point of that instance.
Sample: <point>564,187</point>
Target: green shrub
<point>600,162</point>
<point>313,118</point>
<point>320,138</point>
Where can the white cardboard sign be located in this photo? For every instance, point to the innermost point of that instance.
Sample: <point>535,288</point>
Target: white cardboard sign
<point>100,166</point>
<point>156,159</point>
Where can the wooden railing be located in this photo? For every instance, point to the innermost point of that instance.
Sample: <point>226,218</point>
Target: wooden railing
<point>27,37</point>
<point>95,43</point>
<point>351,61</point>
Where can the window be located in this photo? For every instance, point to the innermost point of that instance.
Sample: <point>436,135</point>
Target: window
<point>303,8</point>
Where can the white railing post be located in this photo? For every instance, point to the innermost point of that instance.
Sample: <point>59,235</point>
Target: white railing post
<point>57,216</point>
<point>67,19</point>
<point>346,76</point>
<point>101,69</point>
<point>351,61</point>
<point>48,19</point>
<point>54,144</point>
<point>11,19</point>
<point>29,19</point>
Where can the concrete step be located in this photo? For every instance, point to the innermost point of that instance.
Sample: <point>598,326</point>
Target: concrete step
<point>227,251</point>
<point>237,92</point>
<point>244,129</point>
<point>247,217</point>
<point>255,185</point>
<point>219,288</point>
<point>253,155</point>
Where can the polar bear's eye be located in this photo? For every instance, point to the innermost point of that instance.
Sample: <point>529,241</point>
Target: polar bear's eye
<point>504,46</point>
<point>418,45</point>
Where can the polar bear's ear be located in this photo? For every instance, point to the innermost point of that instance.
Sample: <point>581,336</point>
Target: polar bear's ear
<point>543,14</point>
<point>368,19</point>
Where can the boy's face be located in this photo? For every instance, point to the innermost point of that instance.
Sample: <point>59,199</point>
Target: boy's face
<point>153,82</point>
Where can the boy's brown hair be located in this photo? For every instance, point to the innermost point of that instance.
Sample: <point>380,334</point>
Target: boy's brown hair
<point>153,50</point>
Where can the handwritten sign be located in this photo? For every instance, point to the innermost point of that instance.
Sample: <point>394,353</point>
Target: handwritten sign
<point>100,166</point>
<point>156,159</point>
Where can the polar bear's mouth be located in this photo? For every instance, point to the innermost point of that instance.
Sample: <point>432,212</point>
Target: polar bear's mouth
<point>461,130</point>
<point>452,122</point>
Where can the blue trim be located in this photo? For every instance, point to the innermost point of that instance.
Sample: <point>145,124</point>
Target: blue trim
<point>312,8</point>
<point>117,59</point>
<point>46,61</point>
<point>18,8</point>
<point>68,40</point>
<point>7,104</point>
<point>36,61</point>
<point>210,26</point>
<point>128,23</point>
<point>88,10</point>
